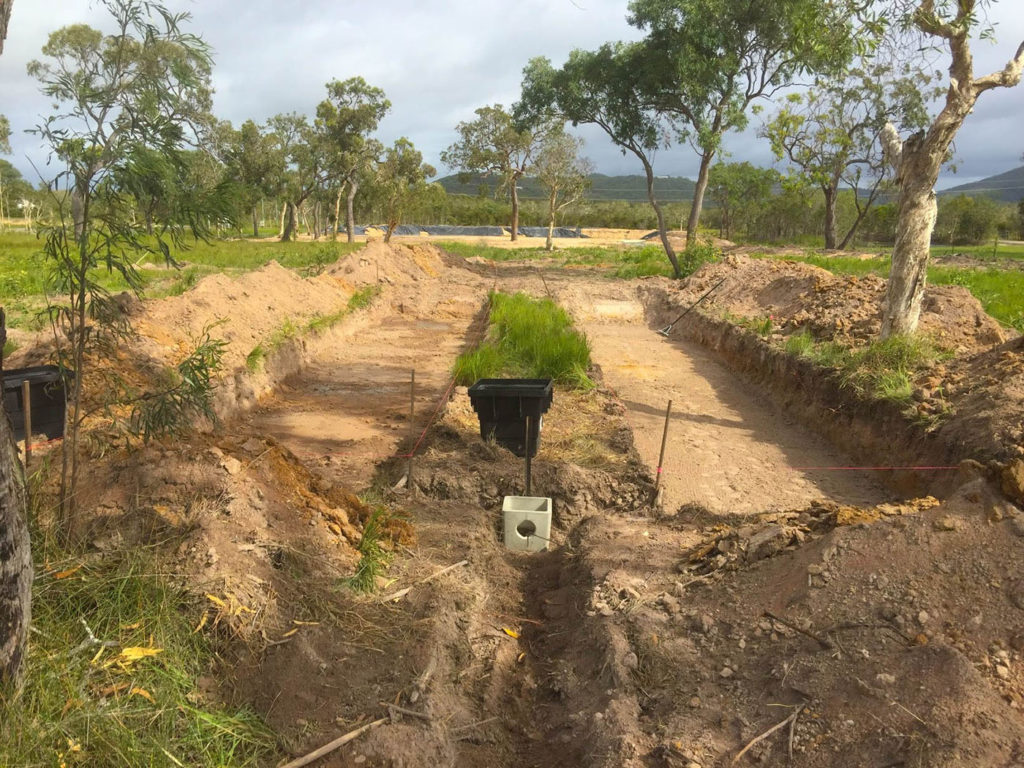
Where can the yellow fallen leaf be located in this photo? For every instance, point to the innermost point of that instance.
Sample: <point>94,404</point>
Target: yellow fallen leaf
<point>132,654</point>
<point>216,601</point>
<point>202,622</point>
<point>520,657</point>
<point>136,625</point>
<point>143,693</point>
<point>68,572</point>
<point>290,632</point>
<point>298,623</point>
<point>510,632</point>
<point>99,653</point>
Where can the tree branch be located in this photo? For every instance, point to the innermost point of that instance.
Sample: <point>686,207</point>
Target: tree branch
<point>1007,77</point>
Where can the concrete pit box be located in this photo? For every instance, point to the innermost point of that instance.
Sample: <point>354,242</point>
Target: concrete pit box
<point>527,522</point>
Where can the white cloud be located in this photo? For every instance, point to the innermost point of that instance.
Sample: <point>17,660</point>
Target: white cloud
<point>437,60</point>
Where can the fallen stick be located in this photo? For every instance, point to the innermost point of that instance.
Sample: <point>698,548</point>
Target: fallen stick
<point>338,742</point>
<point>394,709</point>
<point>761,737</point>
<point>403,592</point>
<point>828,646</point>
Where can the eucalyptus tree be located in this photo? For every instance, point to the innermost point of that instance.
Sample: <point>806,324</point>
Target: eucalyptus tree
<point>739,191</point>
<point>496,144</point>
<point>401,177</point>
<point>120,98</point>
<point>307,165</point>
<point>563,174</point>
<point>607,88</point>
<point>948,26</point>
<point>831,133</point>
<point>15,549</point>
<point>351,112</point>
<point>707,61</point>
<point>254,160</point>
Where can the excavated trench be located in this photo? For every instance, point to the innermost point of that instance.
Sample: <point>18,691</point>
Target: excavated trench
<point>517,659</point>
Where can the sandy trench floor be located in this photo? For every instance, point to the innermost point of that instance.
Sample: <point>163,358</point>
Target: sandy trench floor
<point>728,451</point>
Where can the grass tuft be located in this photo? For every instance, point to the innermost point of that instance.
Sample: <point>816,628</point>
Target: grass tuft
<point>531,338</point>
<point>374,558</point>
<point>886,368</point>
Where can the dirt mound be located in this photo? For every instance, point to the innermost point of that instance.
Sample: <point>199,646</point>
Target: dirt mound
<point>251,529</point>
<point>395,264</point>
<point>895,641</point>
<point>796,295</point>
<point>243,311</point>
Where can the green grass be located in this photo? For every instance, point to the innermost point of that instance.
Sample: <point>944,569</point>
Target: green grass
<point>363,298</point>
<point>1001,292</point>
<point>81,706</point>
<point>617,261</point>
<point>884,369</point>
<point>530,338</point>
<point>984,252</point>
<point>373,557</point>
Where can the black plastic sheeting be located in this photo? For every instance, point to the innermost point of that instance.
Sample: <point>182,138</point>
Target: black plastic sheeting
<point>444,230</point>
<point>543,232</point>
<point>651,235</point>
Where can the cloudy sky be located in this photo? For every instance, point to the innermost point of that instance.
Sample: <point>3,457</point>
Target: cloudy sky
<point>438,60</point>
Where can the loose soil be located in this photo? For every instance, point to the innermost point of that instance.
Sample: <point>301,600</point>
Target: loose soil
<point>879,627</point>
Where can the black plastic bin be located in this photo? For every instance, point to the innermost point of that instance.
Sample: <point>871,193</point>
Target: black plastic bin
<point>46,390</point>
<point>502,406</point>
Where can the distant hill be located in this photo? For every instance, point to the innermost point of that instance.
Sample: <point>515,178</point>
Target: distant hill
<point>1007,187</point>
<point>669,189</point>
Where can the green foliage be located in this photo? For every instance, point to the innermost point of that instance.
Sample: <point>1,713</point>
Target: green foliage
<point>401,179</point>
<point>80,707</point>
<point>886,368</point>
<point>696,255</point>
<point>170,411</point>
<point>487,361</point>
<point>363,298</point>
<point>254,360</point>
<point>532,338</point>
<point>964,220</point>
<point>739,191</point>
<point>830,134</point>
<point>374,558</point>
<point>800,344</point>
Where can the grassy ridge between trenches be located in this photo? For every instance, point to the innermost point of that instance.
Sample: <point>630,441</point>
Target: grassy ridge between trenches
<point>112,673</point>
<point>528,338</point>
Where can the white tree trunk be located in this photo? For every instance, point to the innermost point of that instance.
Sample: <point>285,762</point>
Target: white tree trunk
<point>15,562</point>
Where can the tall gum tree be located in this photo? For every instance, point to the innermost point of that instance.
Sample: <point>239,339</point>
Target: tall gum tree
<point>563,174</point>
<point>832,134</point>
<point>707,61</point>
<point>15,550</point>
<point>606,88</point>
<point>351,112</point>
<point>496,144</point>
<point>918,159</point>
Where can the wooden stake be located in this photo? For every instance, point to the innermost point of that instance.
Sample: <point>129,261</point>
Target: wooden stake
<point>661,456</point>
<point>528,479</point>
<point>412,431</point>
<point>26,404</point>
